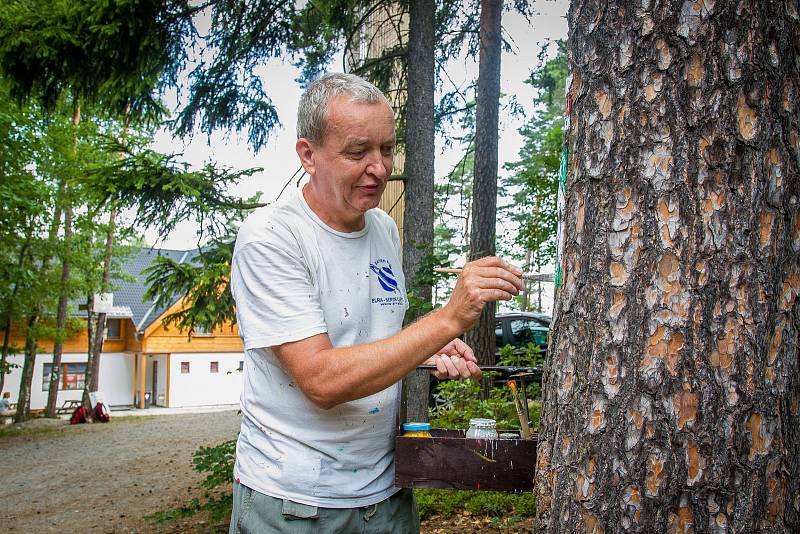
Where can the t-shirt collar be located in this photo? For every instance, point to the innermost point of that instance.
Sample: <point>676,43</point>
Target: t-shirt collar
<point>316,219</point>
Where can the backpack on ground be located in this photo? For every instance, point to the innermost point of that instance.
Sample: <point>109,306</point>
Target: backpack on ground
<point>80,415</point>
<point>101,413</point>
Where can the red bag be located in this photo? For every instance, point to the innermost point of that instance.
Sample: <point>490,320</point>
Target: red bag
<point>80,415</point>
<point>101,413</point>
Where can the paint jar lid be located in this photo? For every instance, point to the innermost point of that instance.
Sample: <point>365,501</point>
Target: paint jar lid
<point>416,427</point>
<point>478,422</point>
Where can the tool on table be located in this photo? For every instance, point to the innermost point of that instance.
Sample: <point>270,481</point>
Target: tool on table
<point>536,277</point>
<point>506,370</point>
<point>521,412</point>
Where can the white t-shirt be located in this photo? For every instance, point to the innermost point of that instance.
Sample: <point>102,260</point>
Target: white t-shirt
<point>293,277</point>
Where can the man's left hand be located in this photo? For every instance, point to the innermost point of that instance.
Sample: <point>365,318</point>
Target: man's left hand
<point>455,360</point>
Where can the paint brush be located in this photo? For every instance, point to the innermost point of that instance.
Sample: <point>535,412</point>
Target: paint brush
<point>523,418</point>
<point>536,277</point>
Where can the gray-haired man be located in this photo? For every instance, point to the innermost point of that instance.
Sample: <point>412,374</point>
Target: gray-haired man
<point>320,299</point>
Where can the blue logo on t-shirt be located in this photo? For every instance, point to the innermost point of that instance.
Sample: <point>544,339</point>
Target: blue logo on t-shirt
<point>386,277</point>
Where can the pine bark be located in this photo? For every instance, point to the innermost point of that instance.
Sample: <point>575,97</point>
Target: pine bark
<point>26,378</point>
<point>96,347</point>
<point>61,317</point>
<point>672,387</point>
<point>419,174</point>
<point>484,205</point>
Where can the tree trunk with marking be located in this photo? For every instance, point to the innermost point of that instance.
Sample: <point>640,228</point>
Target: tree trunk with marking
<point>419,171</point>
<point>672,387</point>
<point>484,203</point>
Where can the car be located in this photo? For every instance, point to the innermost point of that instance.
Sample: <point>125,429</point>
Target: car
<point>518,329</point>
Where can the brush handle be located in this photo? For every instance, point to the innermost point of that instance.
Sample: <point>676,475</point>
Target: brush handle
<point>536,277</point>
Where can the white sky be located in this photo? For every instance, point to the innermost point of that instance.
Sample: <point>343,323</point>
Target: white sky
<point>279,159</point>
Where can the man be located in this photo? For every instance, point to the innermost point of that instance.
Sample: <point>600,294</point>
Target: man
<point>320,299</point>
<point>5,405</point>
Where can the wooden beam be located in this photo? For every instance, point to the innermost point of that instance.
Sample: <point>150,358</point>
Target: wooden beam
<point>142,372</point>
<point>169,372</point>
<point>135,375</point>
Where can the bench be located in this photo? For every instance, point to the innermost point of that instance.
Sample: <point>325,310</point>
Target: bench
<point>9,416</point>
<point>68,406</point>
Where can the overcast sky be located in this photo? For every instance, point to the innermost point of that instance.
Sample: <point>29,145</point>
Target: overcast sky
<point>279,159</point>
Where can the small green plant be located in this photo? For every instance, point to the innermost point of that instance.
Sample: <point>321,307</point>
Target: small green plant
<point>217,462</point>
<point>446,503</point>
<point>457,401</point>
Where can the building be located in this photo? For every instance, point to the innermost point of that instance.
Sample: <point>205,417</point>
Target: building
<point>142,363</point>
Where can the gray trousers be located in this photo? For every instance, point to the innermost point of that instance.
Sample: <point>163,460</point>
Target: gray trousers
<point>256,513</point>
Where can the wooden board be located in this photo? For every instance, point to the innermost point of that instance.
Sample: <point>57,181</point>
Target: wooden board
<point>449,460</point>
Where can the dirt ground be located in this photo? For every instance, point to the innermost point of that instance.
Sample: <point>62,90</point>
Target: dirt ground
<point>57,477</point>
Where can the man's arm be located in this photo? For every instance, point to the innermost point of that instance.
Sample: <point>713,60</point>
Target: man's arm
<point>329,376</point>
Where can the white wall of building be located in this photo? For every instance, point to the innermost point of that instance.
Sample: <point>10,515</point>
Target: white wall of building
<point>201,387</point>
<point>116,378</point>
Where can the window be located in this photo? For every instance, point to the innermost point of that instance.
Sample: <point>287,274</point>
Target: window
<point>215,367</point>
<point>73,376</point>
<point>113,328</point>
<point>241,365</point>
<point>524,331</point>
<point>200,330</point>
<point>498,335</point>
<point>184,368</point>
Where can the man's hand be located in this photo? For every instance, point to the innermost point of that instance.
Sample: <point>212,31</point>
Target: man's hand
<point>482,281</point>
<point>455,360</point>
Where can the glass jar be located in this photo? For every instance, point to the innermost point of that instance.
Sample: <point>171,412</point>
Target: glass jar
<point>482,429</point>
<point>416,430</point>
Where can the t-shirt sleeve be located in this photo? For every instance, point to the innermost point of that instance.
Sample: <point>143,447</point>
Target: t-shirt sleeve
<point>276,300</point>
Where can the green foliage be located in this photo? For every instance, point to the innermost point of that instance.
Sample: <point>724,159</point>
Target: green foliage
<point>114,52</point>
<point>217,461</point>
<point>447,503</point>
<point>532,187</point>
<point>457,401</point>
<point>204,284</point>
<point>529,356</point>
<point>424,276</point>
<point>162,191</point>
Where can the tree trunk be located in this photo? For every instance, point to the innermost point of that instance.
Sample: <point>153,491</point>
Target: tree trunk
<point>24,397</point>
<point>672,387</point>
<point>10,308</point>
<point>420,142</point>
<point>31,347</point>
<point>92,382</point>
<point>61,317</point>
<point>526,292</point>
<point>484,205</point>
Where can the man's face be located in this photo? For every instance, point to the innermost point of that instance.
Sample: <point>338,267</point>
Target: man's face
<point>350,167</point>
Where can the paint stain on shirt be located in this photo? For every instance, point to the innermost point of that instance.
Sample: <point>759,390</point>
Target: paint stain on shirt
<point>375,410</point>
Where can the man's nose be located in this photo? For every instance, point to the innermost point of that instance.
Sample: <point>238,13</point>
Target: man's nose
<point>377,165</point>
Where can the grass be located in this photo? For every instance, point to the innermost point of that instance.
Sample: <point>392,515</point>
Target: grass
<point>8,431</point>
<point>494,504</point>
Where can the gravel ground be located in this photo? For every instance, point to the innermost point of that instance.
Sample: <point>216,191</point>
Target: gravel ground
<point>57,477</point>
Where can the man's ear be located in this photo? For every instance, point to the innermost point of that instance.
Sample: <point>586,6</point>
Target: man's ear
<point>305,151</point>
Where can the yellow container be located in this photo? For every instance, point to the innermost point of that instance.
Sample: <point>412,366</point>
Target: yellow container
<point>416,430</point>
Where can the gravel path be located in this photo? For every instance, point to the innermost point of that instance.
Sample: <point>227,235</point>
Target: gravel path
<point>56,477</point>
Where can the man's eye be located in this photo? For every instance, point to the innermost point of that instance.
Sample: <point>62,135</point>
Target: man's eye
<point>387,150</point>
<point>356,155</point>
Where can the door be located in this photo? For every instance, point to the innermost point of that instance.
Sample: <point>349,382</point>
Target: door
<point>154,388</point>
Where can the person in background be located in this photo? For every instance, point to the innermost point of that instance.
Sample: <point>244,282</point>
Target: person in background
<point>320,300</point>
<point>5,405</point>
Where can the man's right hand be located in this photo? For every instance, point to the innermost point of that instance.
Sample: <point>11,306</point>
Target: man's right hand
<point>482,281</point>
